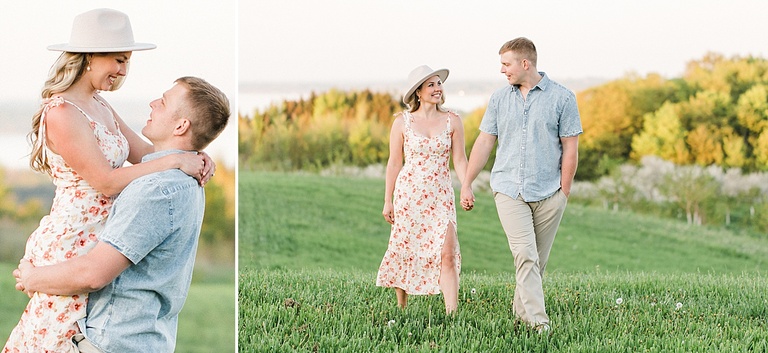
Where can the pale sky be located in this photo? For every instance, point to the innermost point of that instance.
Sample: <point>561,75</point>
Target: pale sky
<point>193,37</point>
<point>335,41</point>
<point>347,40</point>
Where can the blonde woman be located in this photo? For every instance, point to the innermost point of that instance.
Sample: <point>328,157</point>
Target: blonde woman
<point>81,142</point>
<point>423,255</point>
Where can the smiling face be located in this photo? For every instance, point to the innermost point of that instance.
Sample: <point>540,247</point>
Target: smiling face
<point>431,91</point>
<point>166,117</point>
<point>513,67</point>
<point>108,70</point>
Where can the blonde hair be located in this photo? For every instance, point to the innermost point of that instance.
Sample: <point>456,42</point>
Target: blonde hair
<point>207,108</point>
<point>65,71</point>
<point>414,104</point>
<point>521,46</point>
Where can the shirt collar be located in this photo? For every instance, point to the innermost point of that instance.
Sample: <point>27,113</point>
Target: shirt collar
<point>542,84</point>
<point>158,154</point>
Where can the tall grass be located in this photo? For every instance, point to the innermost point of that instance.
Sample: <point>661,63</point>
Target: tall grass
<point>310,247</point>
<point>330,311</point>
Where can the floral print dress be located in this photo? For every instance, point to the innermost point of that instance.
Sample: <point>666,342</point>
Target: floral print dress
<point>424,206</point>
<point>77,217</point>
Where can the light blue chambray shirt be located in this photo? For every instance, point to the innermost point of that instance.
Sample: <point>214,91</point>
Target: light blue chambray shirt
<point>155,222</point>
<point>529,152</point>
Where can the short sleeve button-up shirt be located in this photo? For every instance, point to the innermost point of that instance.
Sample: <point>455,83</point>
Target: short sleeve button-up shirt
<point>155,223</point>
<point>528,131</point>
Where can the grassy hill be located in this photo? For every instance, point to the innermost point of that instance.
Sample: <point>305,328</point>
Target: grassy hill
<point>298,221</point>
<point>310,246</point>
<point>330,311</point>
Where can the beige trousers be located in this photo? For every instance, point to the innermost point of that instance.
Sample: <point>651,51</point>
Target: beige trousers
<point>84,345</point>
<point>530,229</point>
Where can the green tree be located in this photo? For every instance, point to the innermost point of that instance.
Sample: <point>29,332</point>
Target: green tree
<point>219,218</point>
<point>705,146</point>
<point>734,149</point>
<point>662,135</point>
<point>761,151</point>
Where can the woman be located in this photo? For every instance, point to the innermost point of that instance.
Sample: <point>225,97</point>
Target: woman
<point>82,144</point>
<point>423,254</point>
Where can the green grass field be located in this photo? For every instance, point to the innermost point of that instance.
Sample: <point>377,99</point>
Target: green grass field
<point>206,323</point>
<point>332,311</point>
<point>298,221</point>
<point>319,240</point>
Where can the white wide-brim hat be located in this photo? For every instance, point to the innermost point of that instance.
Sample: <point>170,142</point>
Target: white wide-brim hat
<point>418,76</point>
<point>101,31</point>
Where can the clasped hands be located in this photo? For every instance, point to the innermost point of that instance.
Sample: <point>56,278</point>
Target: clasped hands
<point>467,198</point>
<point>467,203</point>
<point>20,275</point>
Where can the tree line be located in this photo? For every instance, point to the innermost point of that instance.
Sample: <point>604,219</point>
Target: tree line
<point>715,116</point>
<point>334,127</point>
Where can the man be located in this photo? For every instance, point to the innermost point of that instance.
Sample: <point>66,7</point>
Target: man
<point>141,269</point>
<point>536,122</point>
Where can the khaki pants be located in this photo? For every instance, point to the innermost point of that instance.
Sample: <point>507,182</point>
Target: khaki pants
<point>83,345</point>
<point>530,229</point>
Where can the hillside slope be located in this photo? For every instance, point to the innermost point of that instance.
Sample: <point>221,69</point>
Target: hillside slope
<point>300,221</point>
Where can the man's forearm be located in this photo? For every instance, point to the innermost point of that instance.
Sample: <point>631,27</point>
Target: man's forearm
<point>65,278</point>
<point>83,274</point>
<point>479,156</point>
<point>569,163</point>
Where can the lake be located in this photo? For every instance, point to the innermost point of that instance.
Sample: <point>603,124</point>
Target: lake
<point>462,97</point>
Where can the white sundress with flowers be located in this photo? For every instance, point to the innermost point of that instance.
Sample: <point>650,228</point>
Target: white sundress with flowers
<point>424,207</point>
<point>77,217</point>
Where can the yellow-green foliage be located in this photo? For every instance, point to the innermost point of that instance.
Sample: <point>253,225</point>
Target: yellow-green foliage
<point>331,128</point>
<point>715,114</point>
<point>219,219</point>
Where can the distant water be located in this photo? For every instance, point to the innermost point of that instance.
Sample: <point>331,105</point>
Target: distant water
<point>461,96</point>
<point>252,102</point>
<point>14,151</point>
<point>256,97</point>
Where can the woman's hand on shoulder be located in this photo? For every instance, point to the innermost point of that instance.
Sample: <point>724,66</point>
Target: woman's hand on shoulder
<point>198,165</point>
<point>209,168</point>
<point>190,163</point>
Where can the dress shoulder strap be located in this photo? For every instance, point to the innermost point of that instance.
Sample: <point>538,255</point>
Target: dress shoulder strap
<point>407,119</point>
<point>450,116</point>
<point>109,108</point>
<point>79,109</point>
<point>49,103</point>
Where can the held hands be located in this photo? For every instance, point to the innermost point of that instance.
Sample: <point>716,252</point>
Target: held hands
<point>467,197</point>
<point>198,165</point>
<point>389,212</point>
<point>21,274</point>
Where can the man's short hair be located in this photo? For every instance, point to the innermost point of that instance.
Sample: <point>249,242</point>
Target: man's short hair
<point>521,46</point>
<point>207,107</point>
